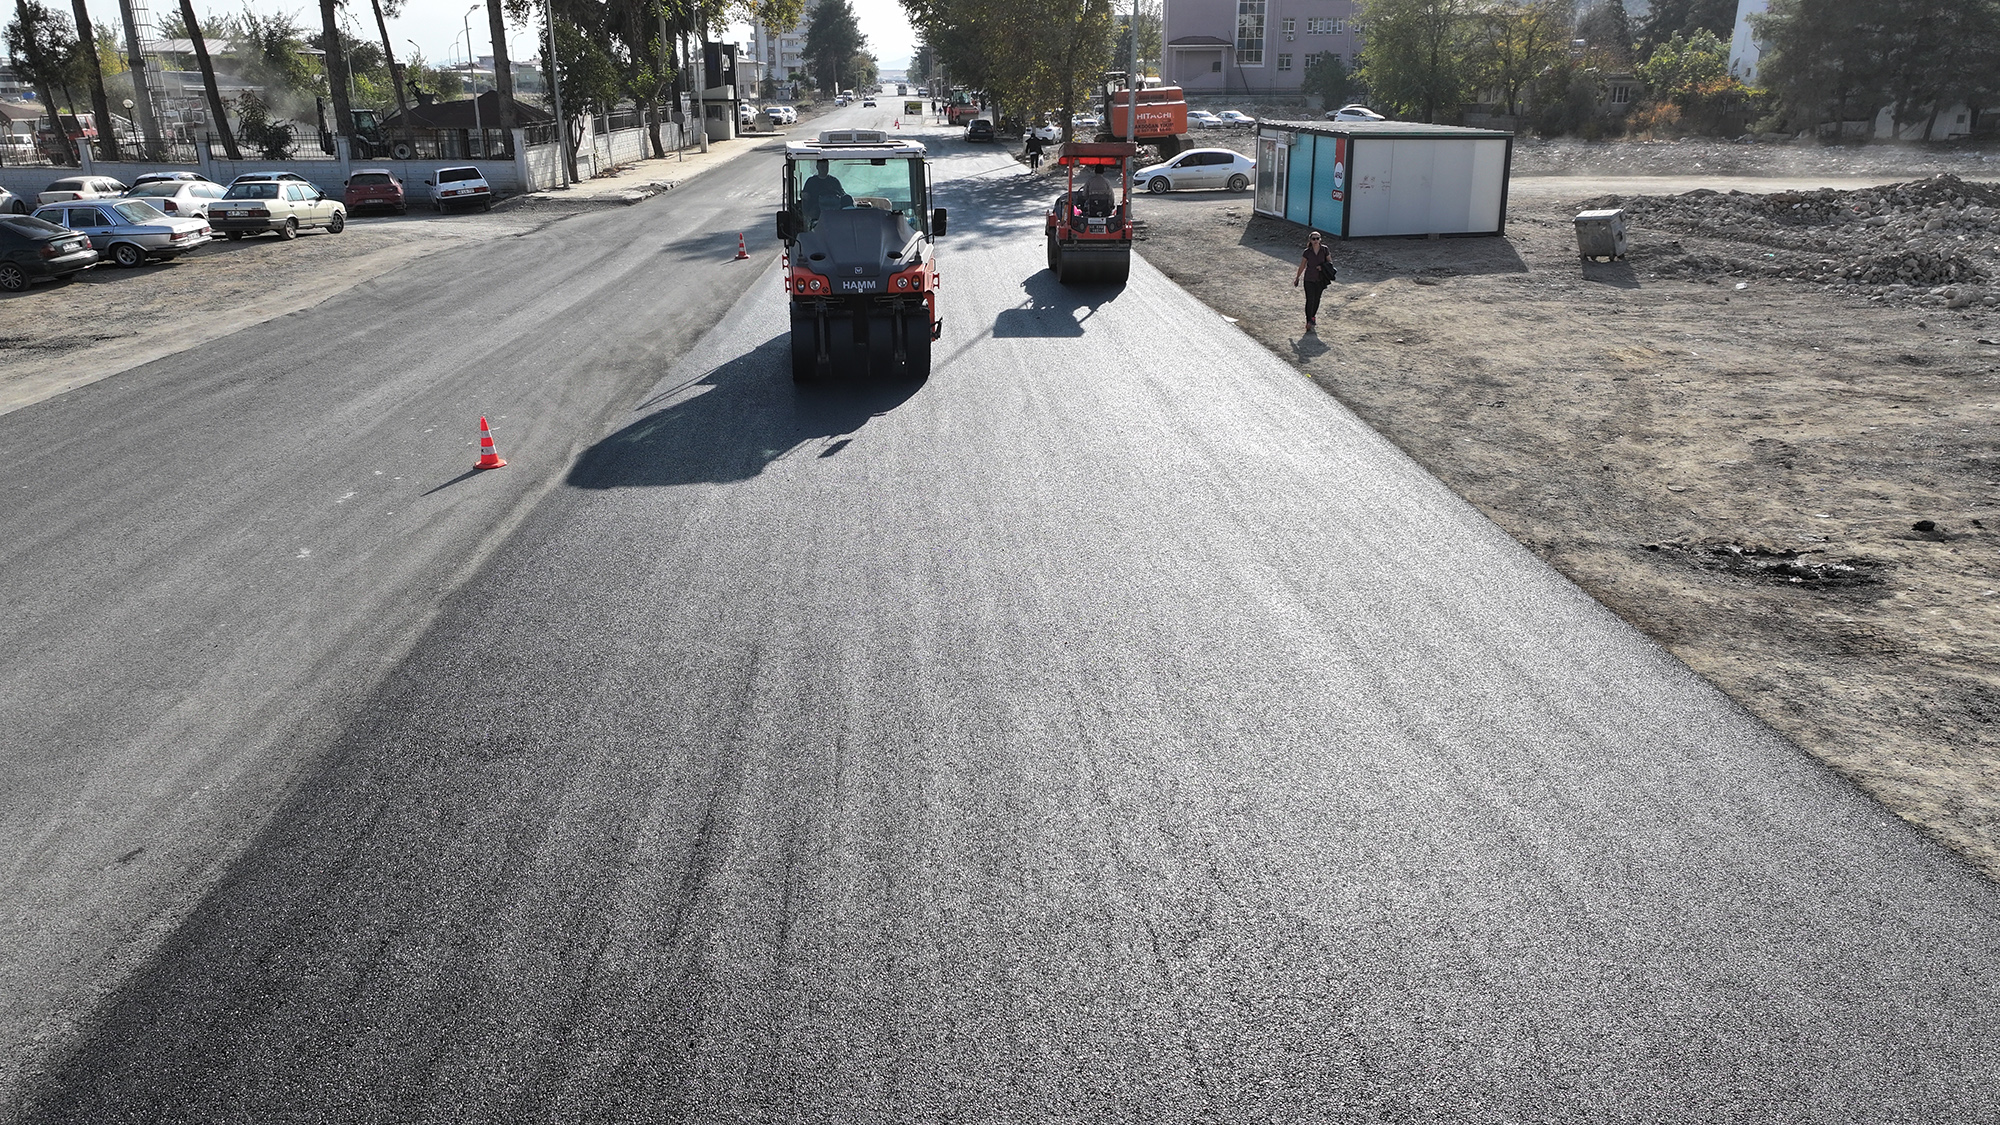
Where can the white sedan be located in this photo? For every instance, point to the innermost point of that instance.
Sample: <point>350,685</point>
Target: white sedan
<point>1202,119</point>
<point>1231,118</point>
<point>1355,113</point>
<point>1199,168</point>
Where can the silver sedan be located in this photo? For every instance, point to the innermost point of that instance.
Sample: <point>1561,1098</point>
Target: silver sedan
<point>127,231</point>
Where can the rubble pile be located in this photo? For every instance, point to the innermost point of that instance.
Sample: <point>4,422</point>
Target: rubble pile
<point>1934,241</point>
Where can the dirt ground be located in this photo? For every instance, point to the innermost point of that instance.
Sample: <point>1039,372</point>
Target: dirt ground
<point>1772,444</point>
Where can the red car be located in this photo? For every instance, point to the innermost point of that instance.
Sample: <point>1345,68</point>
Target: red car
<point>375,187</point>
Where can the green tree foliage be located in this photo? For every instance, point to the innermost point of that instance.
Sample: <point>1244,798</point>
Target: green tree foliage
<point>1666,18</point>
<point>1692,74</point>
<point>1149,36</point>
<point>1327,79</point>
<point>1030,57</point>
<point>1417,58</point>
<point>833,38</point>
<point>923,63</point>
<point>862,72</point>
<point>254,123</point>
<point>44,45</point>
<point>1843,60</point>
<point>1607,30</point>
<point>1513,42</point>
<point>588,74</point>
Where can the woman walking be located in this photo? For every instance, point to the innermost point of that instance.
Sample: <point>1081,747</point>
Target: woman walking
<point>1316,270</point>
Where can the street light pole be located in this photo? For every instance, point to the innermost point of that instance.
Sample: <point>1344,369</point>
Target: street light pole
<point>473,73</point>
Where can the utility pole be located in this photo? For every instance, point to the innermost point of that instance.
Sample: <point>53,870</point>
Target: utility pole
<point>555,91</point>
<point>142,98</point>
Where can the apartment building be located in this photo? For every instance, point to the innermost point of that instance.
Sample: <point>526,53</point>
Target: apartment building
<point>1240,47</point>
<point>780,57</point>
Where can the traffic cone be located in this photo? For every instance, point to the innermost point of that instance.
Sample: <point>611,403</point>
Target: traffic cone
<point>899,123</point>
<point>741,252</point>
<point>488,458</point>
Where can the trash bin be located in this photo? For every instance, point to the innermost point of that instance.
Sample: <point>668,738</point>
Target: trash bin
<point>1601,234</point>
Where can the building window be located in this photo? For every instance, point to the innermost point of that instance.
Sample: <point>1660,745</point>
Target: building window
<point>1215,66</point>
<point>1249,32</point>
<point>1292,26</point>
<point>1620,95</point>
<point>1284,62</point>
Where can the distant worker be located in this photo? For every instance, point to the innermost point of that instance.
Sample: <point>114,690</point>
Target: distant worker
<point>1034,151</point>
<point>1098,198</point>
<point>822,192</point>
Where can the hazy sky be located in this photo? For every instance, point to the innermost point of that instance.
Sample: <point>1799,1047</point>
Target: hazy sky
<point>438,26</point>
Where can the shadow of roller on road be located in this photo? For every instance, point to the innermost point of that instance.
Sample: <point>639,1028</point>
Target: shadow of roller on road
<point>733,421</point>
<point>1051,308</point>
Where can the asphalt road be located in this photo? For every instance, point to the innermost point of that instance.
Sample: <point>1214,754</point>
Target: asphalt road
<point>1109,728</point>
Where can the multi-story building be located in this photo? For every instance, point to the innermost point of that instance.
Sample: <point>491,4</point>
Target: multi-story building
<point>1253,47</point>
<point>780,57</point>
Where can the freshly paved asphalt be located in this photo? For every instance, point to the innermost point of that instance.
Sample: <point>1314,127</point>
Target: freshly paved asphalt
<point>1109,728</point>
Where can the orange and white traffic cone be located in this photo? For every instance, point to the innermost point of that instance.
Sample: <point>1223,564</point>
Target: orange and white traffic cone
<point>741,252</point>
<point>899,123</point>
<point>489,458</point>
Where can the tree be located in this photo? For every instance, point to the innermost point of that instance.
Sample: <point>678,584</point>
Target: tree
<point>44,48</point>
<point>1149,35</point>
<point>1836,60</point>
<point>1514,42</point>
<point>93,73</point>
<point>833,37</point>
<point>217,113</point>
<point>1415,60</point>
<point>1327,79</point>
<point>1607,29</point>
<point>336,66</point>
<point>1692,74</point>
<point>1666,18</point>
<point>503,67</point>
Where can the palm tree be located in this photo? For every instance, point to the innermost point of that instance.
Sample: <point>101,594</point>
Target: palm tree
<point>216,113</point>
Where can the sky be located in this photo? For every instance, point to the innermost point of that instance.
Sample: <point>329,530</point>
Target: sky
<point>438,26</point>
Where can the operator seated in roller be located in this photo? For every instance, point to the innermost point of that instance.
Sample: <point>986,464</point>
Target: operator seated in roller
<point>1098,198</point>
<point>822,192</point>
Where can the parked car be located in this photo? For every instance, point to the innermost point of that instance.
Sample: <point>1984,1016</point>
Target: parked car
<point>979,130</point>
<point>32,249</point>
<point>268,177</point>
<point>1202,119</point>
<point>1354,113</point>
<point>162,177</point>
<point>1084,123</point>
<point>282,206</point>
<point>868,102</point>
<point>841,100</point>
<point>460,187</point>
<point>81,187</point>
<point>127,231</point>
<point>374,187</point>
<point>1198,168</point>
<point>1232,119</point>
<point>1048,131</point>
<point>179,197</point>
<point>11,204</point>
<point>746,115</point>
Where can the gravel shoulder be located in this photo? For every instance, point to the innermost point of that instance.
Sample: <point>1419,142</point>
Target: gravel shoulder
<point>1766,438</point>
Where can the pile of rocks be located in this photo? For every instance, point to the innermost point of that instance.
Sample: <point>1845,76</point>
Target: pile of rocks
<point>1936,240</point>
